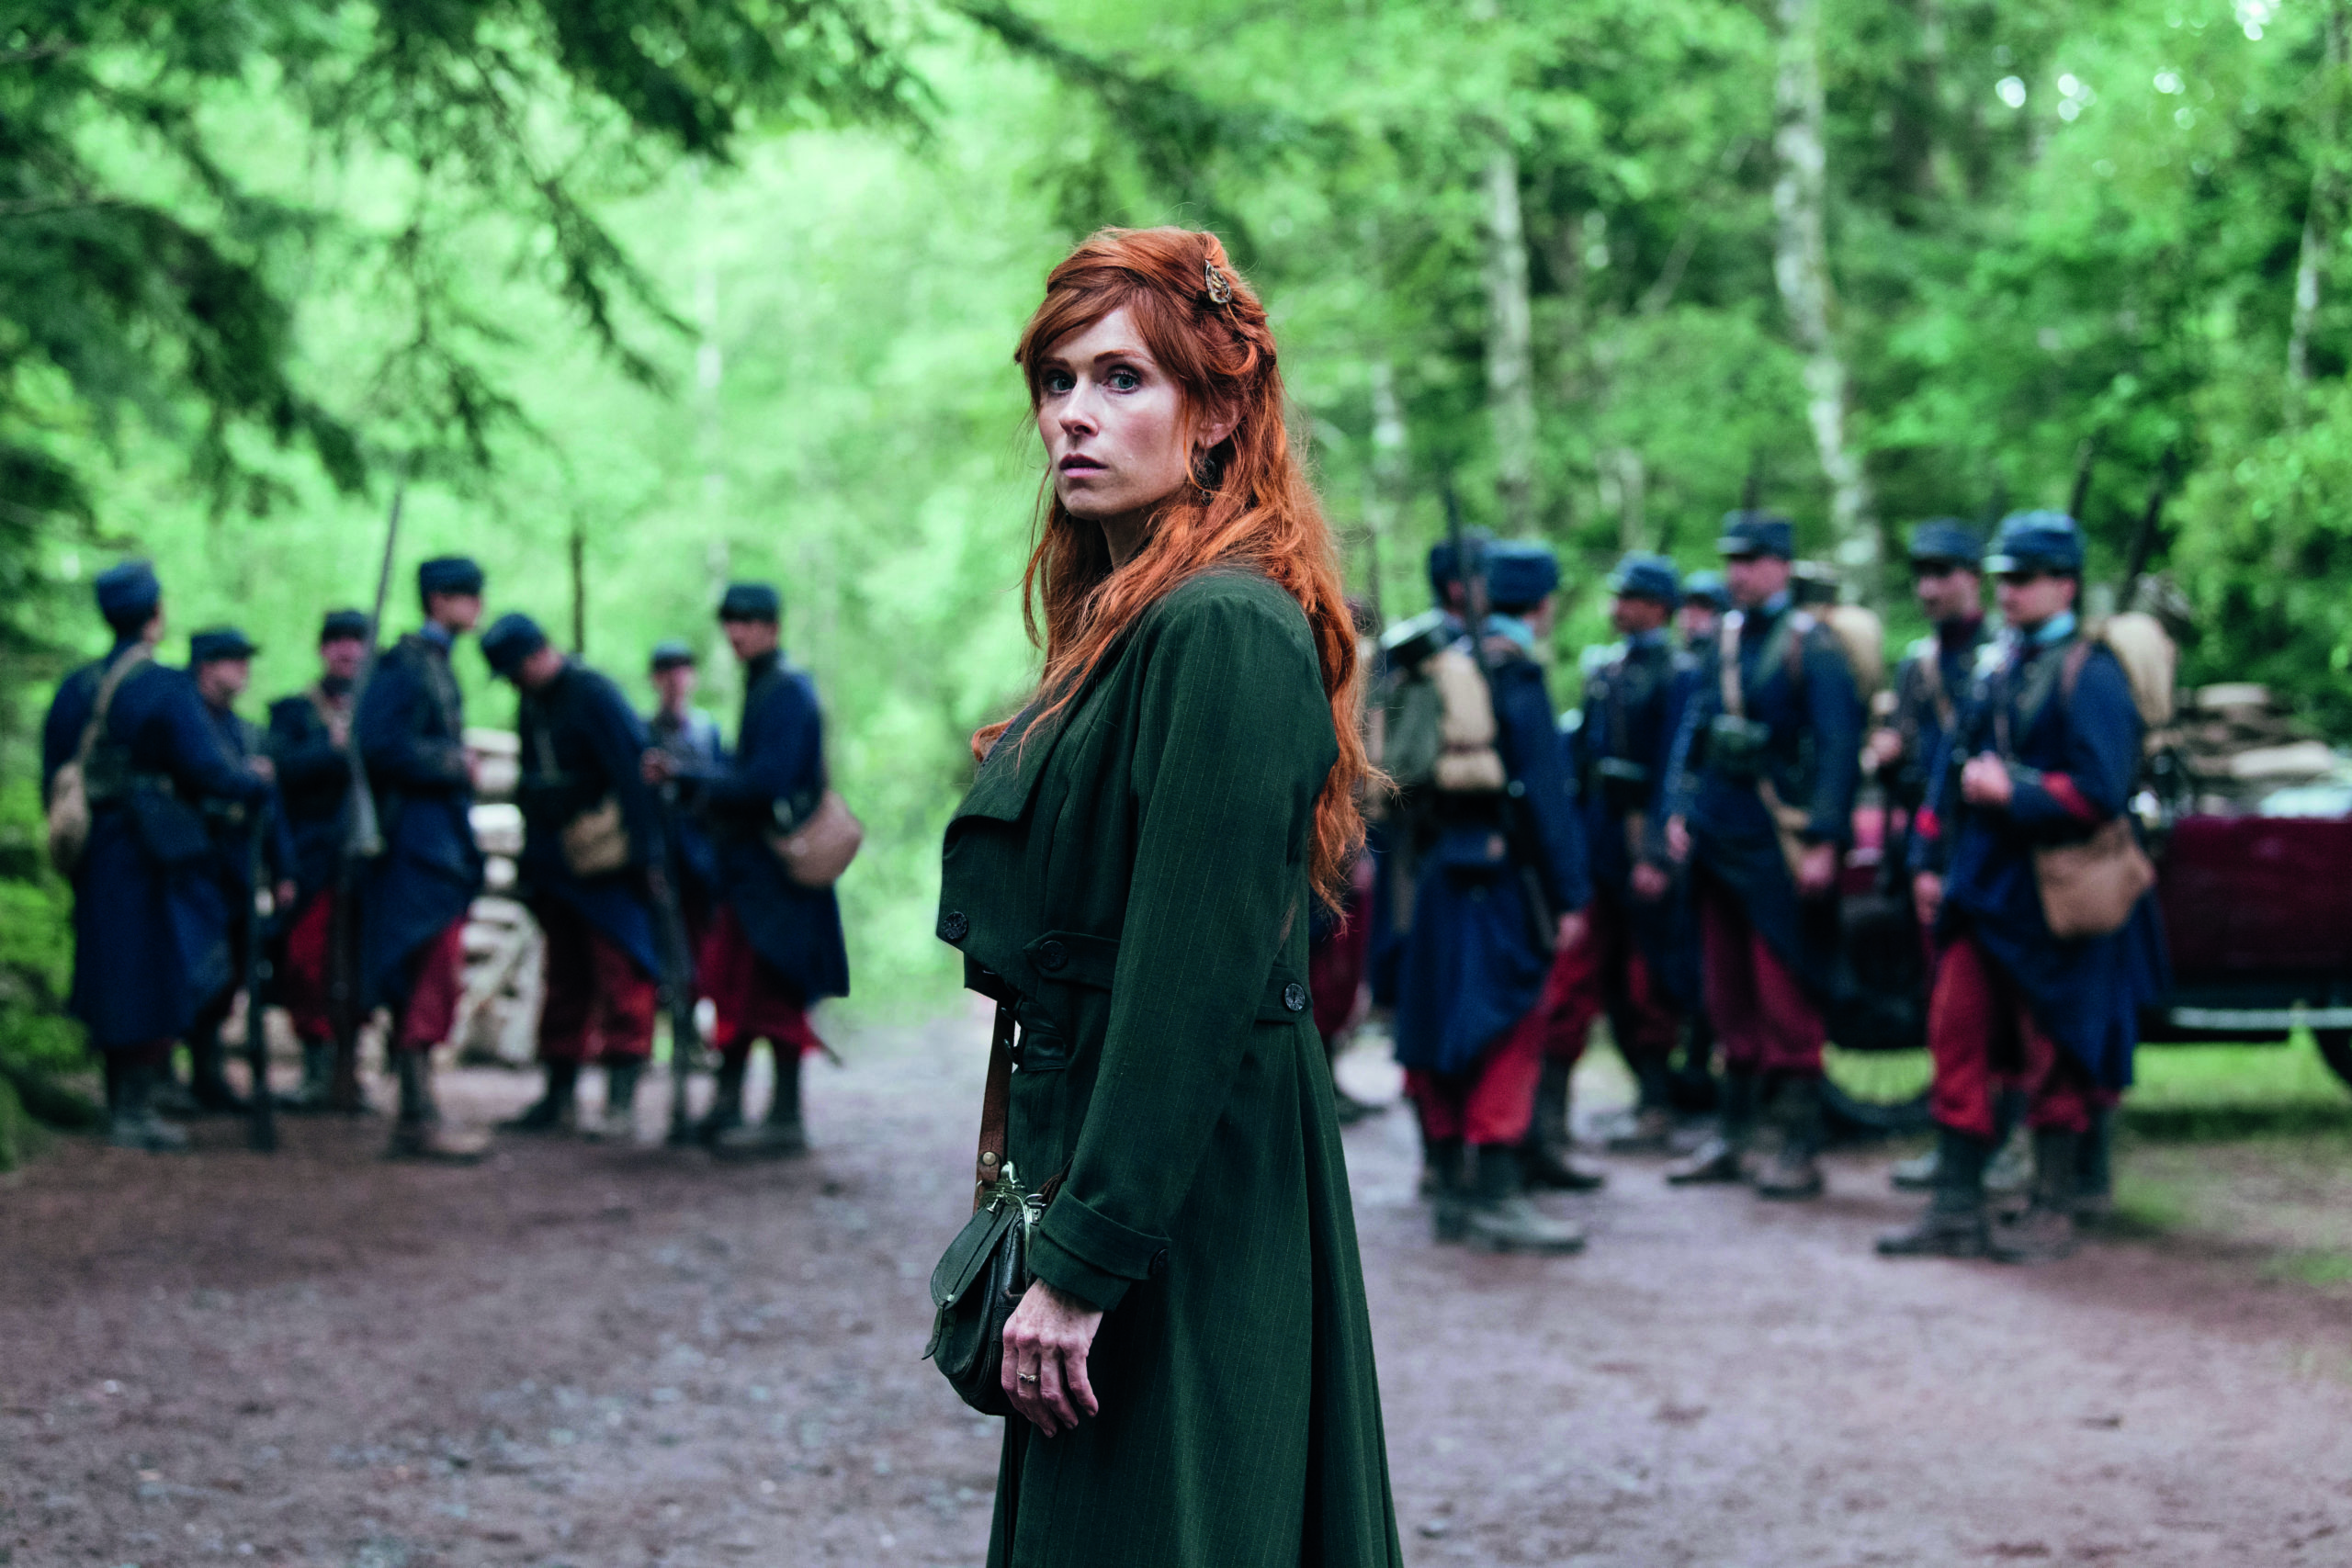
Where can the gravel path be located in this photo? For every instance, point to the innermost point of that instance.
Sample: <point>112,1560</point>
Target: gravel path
<point>592,1356</point>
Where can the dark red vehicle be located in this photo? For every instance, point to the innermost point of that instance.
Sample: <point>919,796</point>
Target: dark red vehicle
<point>2258,913</point>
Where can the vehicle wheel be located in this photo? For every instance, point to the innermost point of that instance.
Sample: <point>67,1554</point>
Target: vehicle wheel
<point>1868,1095</point>
<point>2336,1049</point>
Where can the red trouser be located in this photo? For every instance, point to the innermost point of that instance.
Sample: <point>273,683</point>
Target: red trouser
<point>1763,1016</point>
<point>600,1006</point>
<point>302,987</point>
<point>1605,972</point>
<point>1335,965</point>
<point>751,1001</point>
<point>1495,1101</point>
<point>430,1011</point>
<point>1980,1034</point>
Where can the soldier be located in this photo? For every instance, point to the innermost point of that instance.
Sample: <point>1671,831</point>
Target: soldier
<point>2046,751</point>
<point>775,948</point>
<point>412,735</point>
<point>149,932</point>
<point>221,662</point>
<point>591,826</point>
<point>1760,803</point>
<point>691,736</point>
<point>1637,962</point>
<point>1704,600</point>
<point>1501,888</point>
<point>1937,669</point>
<point>308,734</point>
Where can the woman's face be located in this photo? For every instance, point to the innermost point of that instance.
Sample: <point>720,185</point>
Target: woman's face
<point>1114,424</point>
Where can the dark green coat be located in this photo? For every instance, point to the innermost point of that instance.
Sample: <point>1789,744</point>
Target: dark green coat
<point>1138,877</point>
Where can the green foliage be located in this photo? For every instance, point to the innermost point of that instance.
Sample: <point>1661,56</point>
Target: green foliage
<point>562,254</point>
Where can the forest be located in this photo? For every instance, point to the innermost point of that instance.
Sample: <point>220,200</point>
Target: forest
<point>627,299</point>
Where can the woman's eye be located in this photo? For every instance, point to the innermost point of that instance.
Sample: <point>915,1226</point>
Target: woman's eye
<point>1123,379</point>
<point>1057,381</point>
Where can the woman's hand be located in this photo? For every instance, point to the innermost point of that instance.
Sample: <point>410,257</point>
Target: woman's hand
<point>1045,1342</point>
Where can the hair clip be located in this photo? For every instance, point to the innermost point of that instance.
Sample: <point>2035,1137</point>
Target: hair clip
<point>1220,290</point>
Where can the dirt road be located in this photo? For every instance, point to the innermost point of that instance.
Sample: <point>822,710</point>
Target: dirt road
<point>591,1356</point>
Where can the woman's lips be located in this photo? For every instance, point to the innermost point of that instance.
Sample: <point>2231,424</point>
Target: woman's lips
<point>1077,465</point>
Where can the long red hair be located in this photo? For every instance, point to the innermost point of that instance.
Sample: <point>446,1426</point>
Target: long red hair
<point>1258,510</point>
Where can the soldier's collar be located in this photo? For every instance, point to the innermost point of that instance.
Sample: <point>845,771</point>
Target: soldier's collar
<point>1961,633</point>
<point>1512,626</point>
<point>1655,637</point>
<point>439,636</point>
<point>2052,632</point>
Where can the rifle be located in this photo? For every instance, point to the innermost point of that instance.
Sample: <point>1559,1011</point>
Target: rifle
<point>1515,834</point>
<point>363,841</point>
<point>2143,543</point>
<point>677,989</point>
<point>257,973</point>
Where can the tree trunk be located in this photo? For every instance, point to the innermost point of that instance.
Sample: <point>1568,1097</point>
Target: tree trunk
<point>1384,497</point>
<point>1624,488</point>
<point>2319,219</point>
<point>1800,266</point>
<point>1510,386</point>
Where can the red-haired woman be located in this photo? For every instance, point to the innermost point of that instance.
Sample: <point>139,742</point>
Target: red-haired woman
<point>1133,874</point>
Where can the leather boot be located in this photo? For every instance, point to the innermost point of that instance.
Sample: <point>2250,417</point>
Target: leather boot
<point>1500,1217</point>
<point>208,1086</point>
<point>316,1094</point>
<point>134,1125</point>
<point>2045,1232</point>
<point>1444,1182</point>
<point>1917,1174</point>
<point>619,1123</point>
<point>1793,1172</point>
<point>1545,1152</point>
<point>2095,1171</point>
<point>1953,1223</point>
<point>558,1108</point>
<point>781,1136</point>
<point>1722,1158</point>
<point>417,1132</point>
<point>726,1113</point>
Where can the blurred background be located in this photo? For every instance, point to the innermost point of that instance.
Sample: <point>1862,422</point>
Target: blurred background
<point>641,298</point>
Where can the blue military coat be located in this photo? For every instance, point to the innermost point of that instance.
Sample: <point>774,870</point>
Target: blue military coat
<point>411,730</point>
<point>779,761</point>
<point>313,783</point>
<point>151,919</point>
<point>232,822</point>
<point>2072,759</point>
<point>1474,959</point>
<point>581,744</point>
<point>1620,755</point>
<point>1793,679</point>
<point>1931,684</point>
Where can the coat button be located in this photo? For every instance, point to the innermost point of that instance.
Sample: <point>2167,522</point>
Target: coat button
<point>954,926</point>
<point>1294,997</point>
<point>1052,958</point>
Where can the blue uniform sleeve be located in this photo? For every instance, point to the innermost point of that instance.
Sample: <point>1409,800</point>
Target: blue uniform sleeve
<point>1834,714</point>
<point>1699,703</point>
<point>779,751</point>
<point>393,741</point>
<point>1931,829</point>
<point>1532,755</point>
<point>1674,704</point>
<point>2102,755</point>
<point>199,763</point>
<point>305,754</point>
<point>60,735</point>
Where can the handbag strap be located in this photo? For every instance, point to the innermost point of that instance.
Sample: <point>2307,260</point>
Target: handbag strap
<point>996,1104</point>
<point>1727,663</point>
<point>132,657</point>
